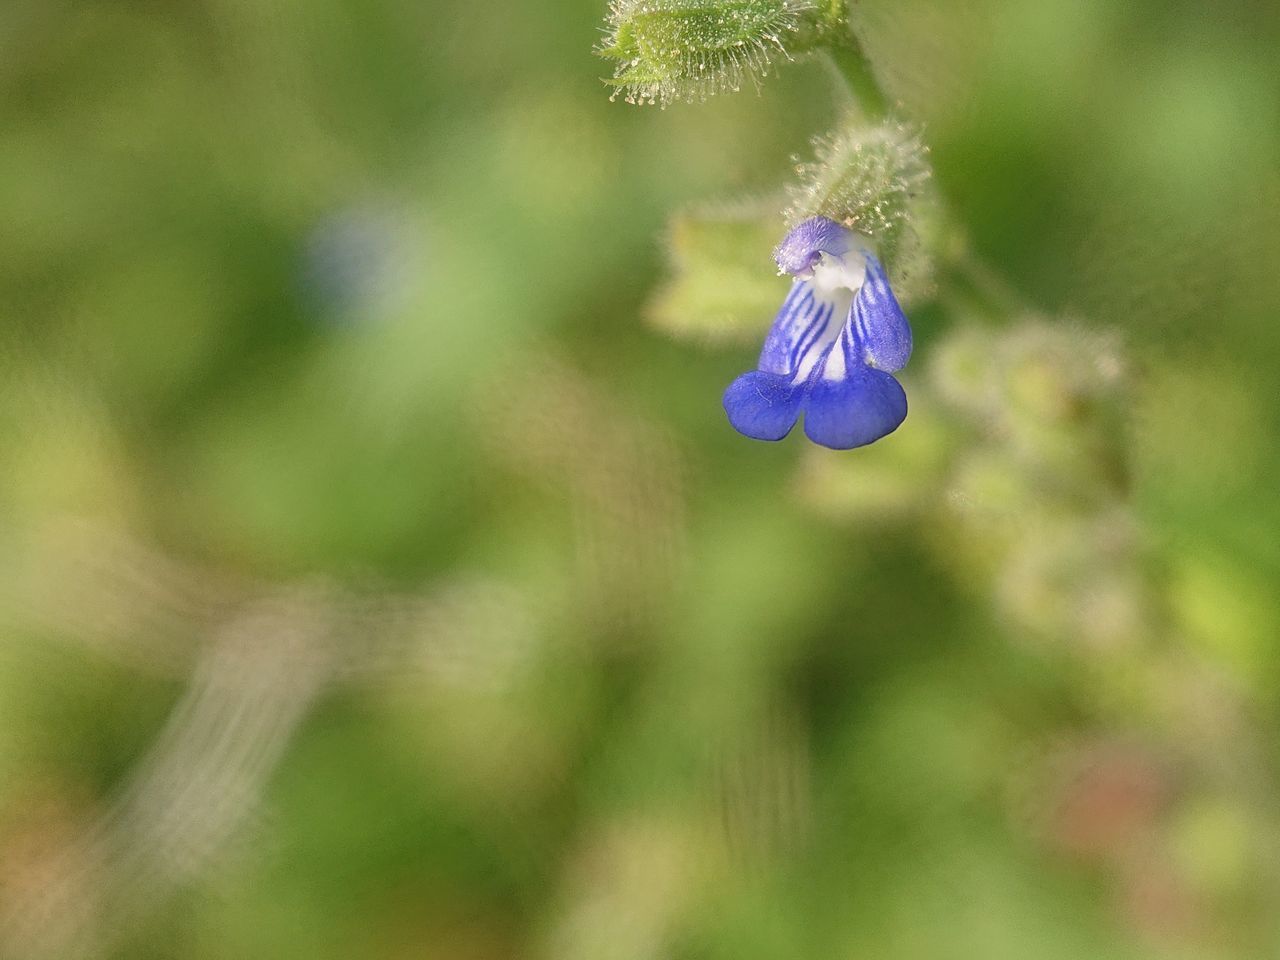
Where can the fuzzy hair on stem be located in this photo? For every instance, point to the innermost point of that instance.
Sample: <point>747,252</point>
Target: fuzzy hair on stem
<point>689,50</point>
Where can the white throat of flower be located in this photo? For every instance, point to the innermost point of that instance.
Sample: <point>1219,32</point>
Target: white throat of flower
<point>831,274</point>
<point>835,280</point>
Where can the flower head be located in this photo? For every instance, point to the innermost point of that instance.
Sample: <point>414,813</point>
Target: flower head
<point>832,350</point>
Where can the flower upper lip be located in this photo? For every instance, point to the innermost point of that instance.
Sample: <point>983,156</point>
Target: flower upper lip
<point>807,241</point>
<point>815,258</point>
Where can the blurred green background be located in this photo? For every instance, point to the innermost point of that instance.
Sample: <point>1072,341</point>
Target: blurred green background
<point>377,582</point>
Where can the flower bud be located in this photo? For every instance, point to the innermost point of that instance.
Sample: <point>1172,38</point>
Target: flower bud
<point>669,50</point>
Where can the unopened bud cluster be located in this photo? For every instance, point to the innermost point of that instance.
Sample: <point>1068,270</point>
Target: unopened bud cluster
<point>673,50</point>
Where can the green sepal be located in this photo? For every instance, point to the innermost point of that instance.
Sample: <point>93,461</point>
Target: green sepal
<point>873,179</point>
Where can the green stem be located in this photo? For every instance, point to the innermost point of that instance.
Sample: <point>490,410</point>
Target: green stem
<point>978,283</point>
<point>998,294</point>
<point>851,63</point>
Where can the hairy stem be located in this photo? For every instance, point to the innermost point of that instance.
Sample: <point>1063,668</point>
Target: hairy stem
<point>849,60</point>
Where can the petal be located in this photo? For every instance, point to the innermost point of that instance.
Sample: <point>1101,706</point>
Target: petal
<point>802,322</point>
<point>763,406</point>
<point>857,409</point>
<point>799,249</point>
<point>880,326</point>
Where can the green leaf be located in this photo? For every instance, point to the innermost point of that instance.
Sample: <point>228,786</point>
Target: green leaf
<point>724,286</point>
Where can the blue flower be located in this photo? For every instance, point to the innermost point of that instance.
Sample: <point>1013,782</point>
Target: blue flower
<point>832,350</point>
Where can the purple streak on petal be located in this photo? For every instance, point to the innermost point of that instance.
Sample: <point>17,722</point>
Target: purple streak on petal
<point>880,326</point>
<point>812,338</point>
<point>801,315</point>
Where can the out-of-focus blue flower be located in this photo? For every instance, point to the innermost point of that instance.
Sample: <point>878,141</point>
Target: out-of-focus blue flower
<point>359,264</point>
<point>832,350</point>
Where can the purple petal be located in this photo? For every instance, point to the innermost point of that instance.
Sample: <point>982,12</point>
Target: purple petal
<point>763,406</point>
<point>858,408</point>
<point>880,326</point>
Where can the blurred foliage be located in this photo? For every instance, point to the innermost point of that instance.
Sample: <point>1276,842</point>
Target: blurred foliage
<point>374,582</point>
<point>717,289</point>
